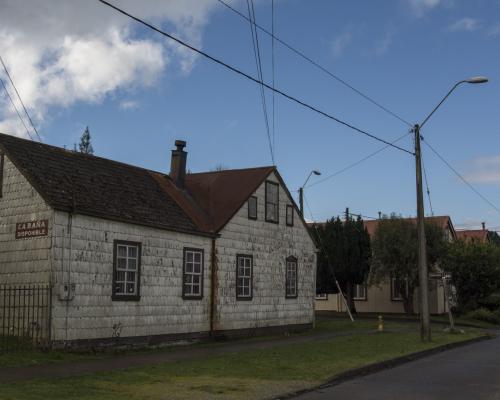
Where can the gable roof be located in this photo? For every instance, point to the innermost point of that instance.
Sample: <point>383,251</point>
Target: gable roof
<point>221,194</point>
<point>480,235</point>
<point>85,184</point>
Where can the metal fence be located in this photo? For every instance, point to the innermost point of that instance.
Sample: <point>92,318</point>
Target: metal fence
<point>24,316</point>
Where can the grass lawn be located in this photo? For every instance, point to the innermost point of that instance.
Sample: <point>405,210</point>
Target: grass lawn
<point>17,358</point>
<point>256,374</point>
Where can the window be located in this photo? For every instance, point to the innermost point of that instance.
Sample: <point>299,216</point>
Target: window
<point>252,207</point>
<point>322,296</point>
<point>397,288</point>
<point>272,202</point>
<point>289,215</point>
<point>244,273</point>
<point>192,286</point>
<point>359,292</point>
<point>126,270</point>
<point>291,277</point>
<point>1,174</point>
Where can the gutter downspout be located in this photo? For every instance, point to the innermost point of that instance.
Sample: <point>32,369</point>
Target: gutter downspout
<point>213,287</point>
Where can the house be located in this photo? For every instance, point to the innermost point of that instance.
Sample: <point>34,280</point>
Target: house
<point>385,297</point>
<point>478,235</point>
<point>130,255</point>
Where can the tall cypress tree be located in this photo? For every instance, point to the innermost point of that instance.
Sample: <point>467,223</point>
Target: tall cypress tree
<point>85,142</point>
<point>345,254</point>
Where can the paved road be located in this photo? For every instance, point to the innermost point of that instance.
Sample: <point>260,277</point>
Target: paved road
<point>471,372</point>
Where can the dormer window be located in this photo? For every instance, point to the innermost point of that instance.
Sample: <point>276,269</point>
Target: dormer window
<point>272,202</point>
<point>252,207</point>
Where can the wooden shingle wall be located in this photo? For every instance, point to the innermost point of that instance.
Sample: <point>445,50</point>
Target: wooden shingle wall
<point>269,244</point>
<point>85,259</point>
<point>27,260</point>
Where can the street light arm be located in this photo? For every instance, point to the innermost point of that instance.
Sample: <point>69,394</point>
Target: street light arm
<point>308,176</point>
<point>442,101</point>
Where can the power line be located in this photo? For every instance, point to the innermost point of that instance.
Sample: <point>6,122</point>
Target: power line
<point>20,99</point>
<point>427,187</point>
<point>239,72</point>
<point>460,176</point>
<point>354,164</point>
<point>317,65</point>
<point>258,62</point>
<point>15,108</point>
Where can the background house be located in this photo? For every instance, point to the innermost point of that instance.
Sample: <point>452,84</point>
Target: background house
<point>384,298</point>
<point>125,254</point>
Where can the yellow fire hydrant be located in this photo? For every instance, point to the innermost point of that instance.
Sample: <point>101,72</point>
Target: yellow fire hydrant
<point>380,324</point>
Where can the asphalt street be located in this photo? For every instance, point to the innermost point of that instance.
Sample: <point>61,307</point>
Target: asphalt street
<point>470,372</point>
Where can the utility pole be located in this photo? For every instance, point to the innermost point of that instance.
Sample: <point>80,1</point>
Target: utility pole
<point>425,328</point>
<point>347,214</point>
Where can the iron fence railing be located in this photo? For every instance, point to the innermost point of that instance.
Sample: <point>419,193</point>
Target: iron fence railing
<point>24,316</point>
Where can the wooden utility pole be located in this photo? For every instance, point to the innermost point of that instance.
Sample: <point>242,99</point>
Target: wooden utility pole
<point>425,328</point>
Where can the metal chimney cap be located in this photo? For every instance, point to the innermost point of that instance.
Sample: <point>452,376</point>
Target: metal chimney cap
<point>180,144</point>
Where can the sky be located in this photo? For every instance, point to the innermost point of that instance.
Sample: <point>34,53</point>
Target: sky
<point>78,64</point>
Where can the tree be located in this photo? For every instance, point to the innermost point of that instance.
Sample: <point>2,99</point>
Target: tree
<point>395,254</point>
<point>475,271</point>
<point>85,142</point>
<point>345,255</point>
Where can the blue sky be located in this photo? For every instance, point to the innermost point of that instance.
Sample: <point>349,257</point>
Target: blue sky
<point>138,93</point>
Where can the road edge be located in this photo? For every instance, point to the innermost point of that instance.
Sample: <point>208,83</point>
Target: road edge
<point>383,365</point>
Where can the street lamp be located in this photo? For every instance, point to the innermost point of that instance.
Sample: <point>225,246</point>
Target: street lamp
<point>425,329</point>
<point>301,190</point>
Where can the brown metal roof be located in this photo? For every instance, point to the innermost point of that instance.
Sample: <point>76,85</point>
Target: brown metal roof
<point>85,184</point>
<point>480,235</point>
<point>221,194</point>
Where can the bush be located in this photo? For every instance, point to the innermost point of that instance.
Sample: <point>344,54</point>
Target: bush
<point>492,302</point>
<point>485,315</point>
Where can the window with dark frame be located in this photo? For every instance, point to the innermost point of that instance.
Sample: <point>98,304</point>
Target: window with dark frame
<point>252,207</point>
<point>289,215</point>
<point>126,270</point>
<point>192,286</point>
<point>398,287</point>
<point>360,292</point>
<point>244,275</point>
<point>291,277</point>
<point>272,202</point>
<point>1,174</point>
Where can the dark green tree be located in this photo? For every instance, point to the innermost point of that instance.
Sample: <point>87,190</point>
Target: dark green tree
<point>85,142</point>
<point>475,271</point>
<point>395,254</point>
<point>344,254</point>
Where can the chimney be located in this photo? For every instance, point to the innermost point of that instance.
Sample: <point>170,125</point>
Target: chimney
<point>178,164</point>
<point>484,225</point>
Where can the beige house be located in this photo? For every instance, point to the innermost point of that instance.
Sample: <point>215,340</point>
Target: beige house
<point>385,298</point>
<point>129,255</point>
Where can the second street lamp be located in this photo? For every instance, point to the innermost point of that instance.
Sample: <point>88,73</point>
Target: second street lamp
<point>425,328</point>
<point>301,190</point>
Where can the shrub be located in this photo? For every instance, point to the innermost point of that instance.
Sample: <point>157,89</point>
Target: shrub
<point>485,315</point>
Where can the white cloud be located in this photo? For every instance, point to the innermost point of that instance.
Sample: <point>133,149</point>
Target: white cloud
<point>60,52</point>
<point>128,105</point>
<point>341,42</point>
<point>466,24</point>
<point>420,7</point>
<point>485,170</point>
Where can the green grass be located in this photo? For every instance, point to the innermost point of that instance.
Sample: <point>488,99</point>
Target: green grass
<point>256,374</point>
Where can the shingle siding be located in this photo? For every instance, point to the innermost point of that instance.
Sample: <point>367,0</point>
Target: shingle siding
<point>22,261</point>
<point>92,313</point>
<point>269,244</point>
